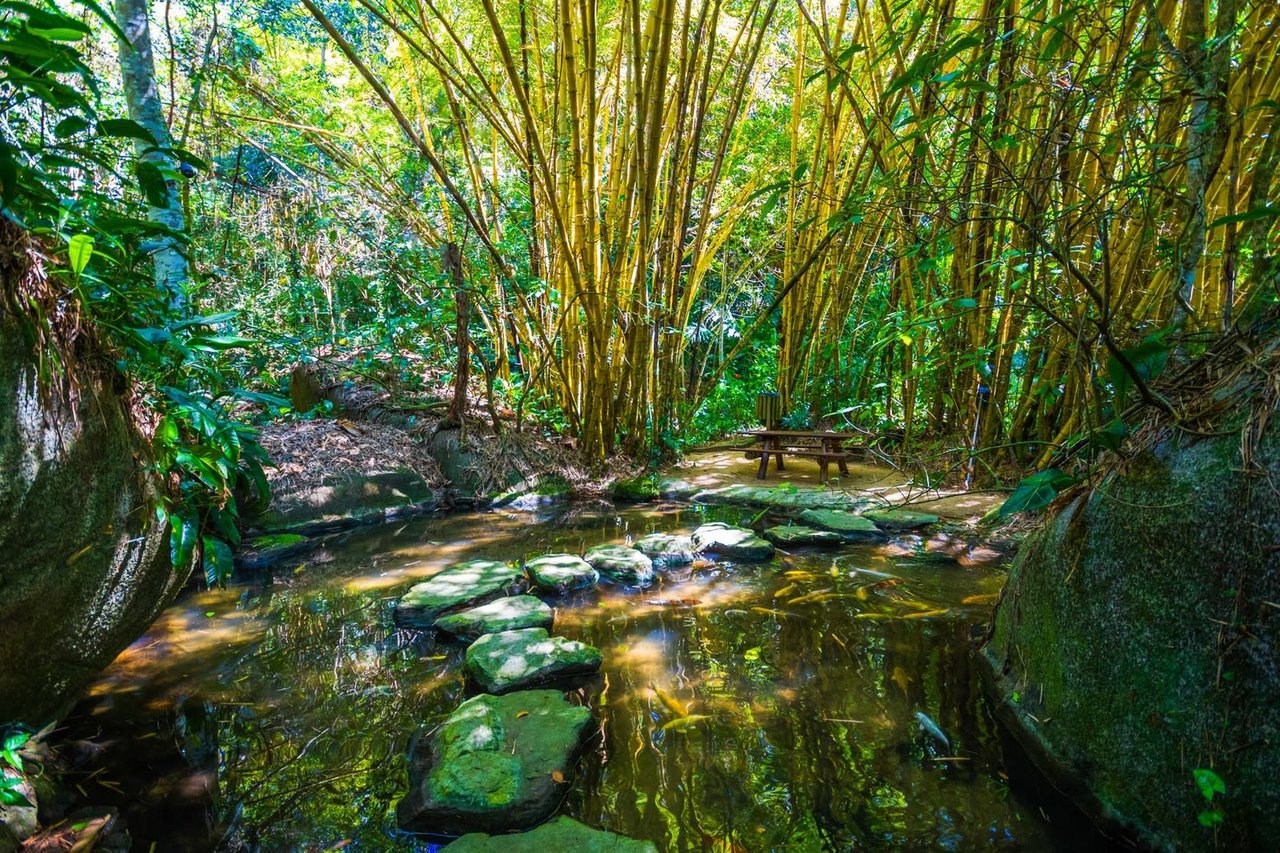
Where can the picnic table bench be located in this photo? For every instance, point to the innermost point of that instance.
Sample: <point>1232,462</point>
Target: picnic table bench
<point>824,446</point>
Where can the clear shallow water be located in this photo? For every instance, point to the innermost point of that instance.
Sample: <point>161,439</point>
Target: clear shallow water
<point>276,714</point>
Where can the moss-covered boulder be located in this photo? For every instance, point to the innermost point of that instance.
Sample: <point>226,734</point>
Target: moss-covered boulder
<point>726,540</point>
<point>457,587</point>
<point>665,549</point>
<point>797,535</point>
<point>560,833</point>
<point>847,524</point>
<point>899,520</point>
<point>1136,640</point>
<point>497,764</point>
<point>518,660</point>
<point>561,573</point>
<point>634,489</point>
<point>621,564</point>
<point>84,562</point>
<point>501,614</point>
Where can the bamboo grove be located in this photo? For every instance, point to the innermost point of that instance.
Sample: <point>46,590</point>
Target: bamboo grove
<point>945,218</point>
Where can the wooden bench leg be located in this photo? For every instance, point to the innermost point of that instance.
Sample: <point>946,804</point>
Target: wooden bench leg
<point>764,465</point>
<point>822,471</point>
<point>844,466</point>
<point>781,467</point>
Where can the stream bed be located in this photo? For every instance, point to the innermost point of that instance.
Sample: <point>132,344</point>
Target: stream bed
<point>276,714</point>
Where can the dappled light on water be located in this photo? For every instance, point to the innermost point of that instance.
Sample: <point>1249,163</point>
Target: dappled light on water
<point>779,705</point>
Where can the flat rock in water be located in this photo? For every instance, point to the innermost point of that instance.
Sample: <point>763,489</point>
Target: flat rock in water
<point>561,573</point>
<point>562,833</point>
<point>498,764</point>
<point>529,657</point>
<point>666,550</point>
<point>729,541</point>
<point>847,524</point>
<point>501,614</point>
<point>457,587</point>
<point>900,519</point>
<point>792,535</point>
<point>621,564</point>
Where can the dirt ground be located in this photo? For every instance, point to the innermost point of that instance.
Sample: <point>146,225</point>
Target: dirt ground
<point>725,468</point>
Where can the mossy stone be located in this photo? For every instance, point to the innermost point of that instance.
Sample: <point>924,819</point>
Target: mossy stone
<point>847,524</point>
<point>621,564</point>
<point>729,541</point>
<point>529,657</point>
<point>665,549</point>
<point>560,833</point>
<point>561,573</point>
<point>900,519</point>
<point>497,764</point>
<point>1108,652</point>
<point>634,489</point>
<point>501,614</point>
<point>457,587</point>
<point>797,535</point>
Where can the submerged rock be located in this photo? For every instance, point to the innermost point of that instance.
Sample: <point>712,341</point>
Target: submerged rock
<point>900,519</point>
<point>847,524</point>
<point>498,764</point>
<point>621,564</point>
<point>529,657</point>
<point>561,833</point>
<point>666,550</point>
<point>464,585</point>
<point>561,573</point>
<point>501,614</point>
<point>794,535</point>
<point>728,541</point>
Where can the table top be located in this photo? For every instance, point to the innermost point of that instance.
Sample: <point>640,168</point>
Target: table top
<point>790,433</point>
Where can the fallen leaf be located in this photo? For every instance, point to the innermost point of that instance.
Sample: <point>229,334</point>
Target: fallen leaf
<point>557,776</point>
<point>522,714</point>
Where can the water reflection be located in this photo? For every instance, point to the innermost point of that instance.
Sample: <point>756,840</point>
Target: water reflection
<point>744,708</point>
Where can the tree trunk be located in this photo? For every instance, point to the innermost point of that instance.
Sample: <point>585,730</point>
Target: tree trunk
<point>138,73</point>
<point>451,262</point>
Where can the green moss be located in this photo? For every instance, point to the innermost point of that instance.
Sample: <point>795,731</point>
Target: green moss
<point>1109,634</point>
<point>635,489</point>
<point>277,540</point>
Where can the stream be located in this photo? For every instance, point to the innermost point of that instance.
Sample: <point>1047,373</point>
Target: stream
<point>276,713</point>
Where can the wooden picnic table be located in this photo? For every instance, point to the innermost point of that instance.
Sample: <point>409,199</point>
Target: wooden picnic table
<point>780,443</point>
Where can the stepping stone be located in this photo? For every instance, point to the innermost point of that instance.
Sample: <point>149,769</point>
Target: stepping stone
<point>621,564</point>
<point>729,541</point>
<point>666,550</point>
<point>501,614</point>
<point>497,764</point>
<point>562,833</point>
<point>561,573</point>
<point>455,588</point>
<point>529,657</point>
<point>847,524</point>
<point>900,519</point>
<point>793,535</point>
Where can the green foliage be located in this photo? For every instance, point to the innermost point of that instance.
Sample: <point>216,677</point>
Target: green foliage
<point>65,190</point>
<point>1211,786</point>
<point>1036,491</point>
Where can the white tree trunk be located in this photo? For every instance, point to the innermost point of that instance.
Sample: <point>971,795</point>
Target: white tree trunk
<point>138,73</point>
